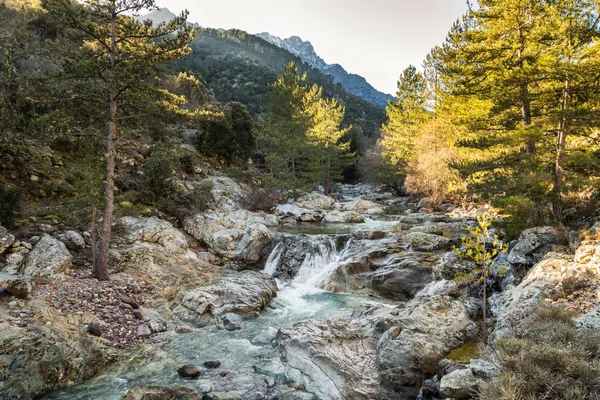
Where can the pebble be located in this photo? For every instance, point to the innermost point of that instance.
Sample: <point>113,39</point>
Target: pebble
<point>189,371</point>
<point>212,364</point>
<point>94,329</point>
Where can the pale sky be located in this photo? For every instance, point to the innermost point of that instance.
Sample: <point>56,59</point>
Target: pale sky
<point>373,38</point>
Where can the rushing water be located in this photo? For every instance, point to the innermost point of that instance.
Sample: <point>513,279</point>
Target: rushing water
<point>247,355</point>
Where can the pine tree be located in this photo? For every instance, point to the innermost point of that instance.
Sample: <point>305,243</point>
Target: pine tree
<point>118,57</point>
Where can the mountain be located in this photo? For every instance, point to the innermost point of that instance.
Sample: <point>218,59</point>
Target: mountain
<point>353,83</point>
<point>238,66</point>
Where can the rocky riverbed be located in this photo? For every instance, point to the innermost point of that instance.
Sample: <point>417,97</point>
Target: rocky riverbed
<point>355,297</point>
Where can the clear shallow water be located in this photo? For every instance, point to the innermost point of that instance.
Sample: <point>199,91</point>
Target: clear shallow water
<point>244,354</point>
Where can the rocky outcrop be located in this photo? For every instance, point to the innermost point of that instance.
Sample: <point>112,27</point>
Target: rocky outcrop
<point>6,239</point>
<point>425,331</point>
<point>293,213</point>
<point>532,244</point>
<point>155,234</point>
<point>246,293</point>
<point>240,235</point>
<point>48,259</point>
<point>549,275</point>
<point>40,359</point>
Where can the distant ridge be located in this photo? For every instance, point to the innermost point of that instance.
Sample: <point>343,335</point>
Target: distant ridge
<point>353,83</point>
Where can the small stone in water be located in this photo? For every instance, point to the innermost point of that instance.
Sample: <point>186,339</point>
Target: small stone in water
<point>270,383</point>
<point>189,371</point>
<point>212,364</point>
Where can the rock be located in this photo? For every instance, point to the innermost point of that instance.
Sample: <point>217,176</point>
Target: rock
<point>212,364</point>
<point>189,371</point>
<point>129,301</point>
<point>183,329</point>
<point>48,259</point>
<point>588,253</point>
<point>72,240</point>
<point>531,244</point>
<point>94,329</point>
<point>343,217</point>
<point>15,285</point>
<point>154,321</point>
<point>518,302</point>
<point>420,218</point>
<point>221,396</point>
<point>426,330</point>
<point>42,358</point>
<point>361,206</point>
<point>295,213</point>
<point>315,201</point>
<point>459,384</point>
<point>138,315</point>
<point>154,234</point>
<point>426,242</point>
<point>162,393</point>
<point>6,239</point>
<point>240,235</point>
<point>590,320</point>
<point>484,369</point>
<point>426,202</point>
<point>230,322</point>
<point>14,262</point>
<point>226,193</point>
<point>247,292</point>
<point>144,331</point>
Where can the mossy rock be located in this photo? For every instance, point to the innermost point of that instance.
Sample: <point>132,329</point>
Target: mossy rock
<point>465,353</point>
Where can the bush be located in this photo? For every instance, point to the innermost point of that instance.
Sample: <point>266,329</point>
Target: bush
<point>261,199</point>
<point>158,171</point>
<point>376,169</point>
<point>9,204</point>
<point>550,359</point>
<point>198,200</point>
<point>521,213</point>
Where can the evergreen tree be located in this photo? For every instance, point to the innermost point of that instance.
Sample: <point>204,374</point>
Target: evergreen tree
<point>118,57</point>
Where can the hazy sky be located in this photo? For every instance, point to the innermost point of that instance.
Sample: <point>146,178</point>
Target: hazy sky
<point>373,38</point>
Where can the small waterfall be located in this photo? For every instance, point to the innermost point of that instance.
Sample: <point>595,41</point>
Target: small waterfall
<point>309,259</point>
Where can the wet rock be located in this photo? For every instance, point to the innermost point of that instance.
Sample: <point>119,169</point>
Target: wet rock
<point>43,358</point>
<point>531,245</point>
<point>189,371</point>
<point>6,239</point>
<point>162,393</point>
<point>247,292</point>
<point>48,259</point>
<point>94,329</point>
<point>212,364</point>
<point>230,322</point>
<point>315,201</point>
<point>343,217</point>
<point>426,242</point>
<point>459,384</point>
<point>72,240</point>
<point>15,285</point>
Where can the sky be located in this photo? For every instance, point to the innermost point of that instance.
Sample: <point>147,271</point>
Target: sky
<point>377,39</point>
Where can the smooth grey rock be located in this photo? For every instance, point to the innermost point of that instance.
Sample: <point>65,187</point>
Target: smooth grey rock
<point>426,242</point>
<point>484,369</point>
<point>73,240</point>
<point>343,217</point>
<point>17,286</point>
<point>315,201</point>
<point>230,322</point>
<point>48,259</point>
<point>459,384</point>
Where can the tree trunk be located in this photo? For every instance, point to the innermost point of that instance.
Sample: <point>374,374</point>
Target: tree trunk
<point>560,147</point>
<point>101,261</point>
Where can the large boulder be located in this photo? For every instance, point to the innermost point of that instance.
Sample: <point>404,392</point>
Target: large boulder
<point>6,239</point>
<point>48,259</point>
<point>343,217</point>
<point>246,293</point>
<point>384,273</point>
<point>532,244</point>
<point>361,206</point>
<point>73,240</point>
<point>43,358</point>
<point>240,235</point>
<point>460,384</point>
<point>334,359</point>
<point>426,330</point>
<point>315,201</point>
<point>227,194</point>
<point>15,285</point>
<point>152,233</point>
<point>420,241</point>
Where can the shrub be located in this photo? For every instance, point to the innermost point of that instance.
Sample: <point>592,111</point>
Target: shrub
<point>549,359</point>
<point>197,200</point>
<point>375,168</point>
<point>158,170</point>
<point>261,199</point>
<point>9,204</point>
<point>521,213</point>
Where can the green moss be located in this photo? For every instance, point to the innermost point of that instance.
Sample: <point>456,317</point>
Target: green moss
<point>464,354</point>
